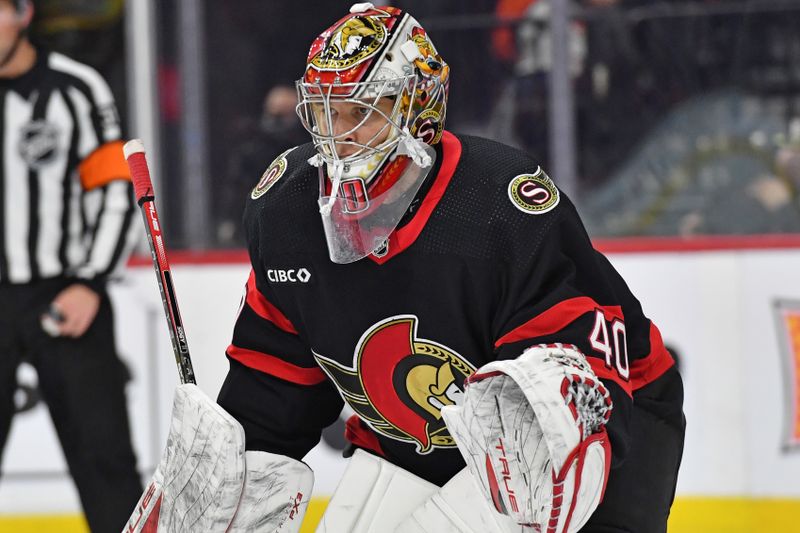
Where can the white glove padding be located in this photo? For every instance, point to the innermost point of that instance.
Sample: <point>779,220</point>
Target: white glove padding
<point>532,431</point>
<point>458,507</point>
<point>275,496</point>
<point>197,484</point>
<point>373,495</point>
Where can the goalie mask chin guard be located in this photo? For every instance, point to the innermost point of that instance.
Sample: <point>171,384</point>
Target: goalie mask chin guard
<point>377,68</point>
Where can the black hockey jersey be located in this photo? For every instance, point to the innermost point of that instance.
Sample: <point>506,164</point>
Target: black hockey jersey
<point>490,260</point>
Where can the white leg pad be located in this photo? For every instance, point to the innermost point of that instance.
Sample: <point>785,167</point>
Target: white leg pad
<point>458,507</point>
<point>275,496</point>
<point>373,495</point>
<point>198,483</point>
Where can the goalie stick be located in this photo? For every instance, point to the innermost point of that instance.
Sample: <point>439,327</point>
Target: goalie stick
<point>199,480</point>
<point>145,197</point>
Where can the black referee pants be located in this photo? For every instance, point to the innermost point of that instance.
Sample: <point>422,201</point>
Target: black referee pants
<point>83,382</point>
<point>640,492</point>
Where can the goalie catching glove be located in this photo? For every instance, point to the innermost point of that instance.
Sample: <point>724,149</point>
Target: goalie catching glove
<point>532,432</point>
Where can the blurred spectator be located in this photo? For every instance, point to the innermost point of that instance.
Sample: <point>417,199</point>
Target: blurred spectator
<point>277,130</point>
<point>718,164</point>
<point>520,116</point>
<point>787,159</point>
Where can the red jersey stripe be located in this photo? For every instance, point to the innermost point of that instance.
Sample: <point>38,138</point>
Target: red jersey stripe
<point>557,318</point>
<point>404,237</point>
<point>274,366</point>
<point>643,371</point>
<point>264,308</point>
<point>651,367</point>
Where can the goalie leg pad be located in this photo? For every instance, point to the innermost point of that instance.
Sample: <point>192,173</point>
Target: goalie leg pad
<point>532,433</point>
<point>373,495</point>
<point>275,495</point>
<point>458,507</point>
<point>197,484</point>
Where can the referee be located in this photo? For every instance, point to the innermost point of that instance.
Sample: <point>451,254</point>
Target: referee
<point>66,209</point>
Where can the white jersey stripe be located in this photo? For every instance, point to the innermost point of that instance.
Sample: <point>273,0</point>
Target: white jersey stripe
<point>103,98</point>
<point>18,114</point>
<point>51,190</point>
<point>87,140</point>
<point>113,214</point>
<point>76,248</point>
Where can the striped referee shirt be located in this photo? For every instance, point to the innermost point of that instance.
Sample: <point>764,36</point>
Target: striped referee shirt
<point>66,199</point>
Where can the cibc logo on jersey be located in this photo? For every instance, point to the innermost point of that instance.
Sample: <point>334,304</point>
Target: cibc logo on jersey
<point>288,275</point>
<point>534,194</point>
<point>398,382</point>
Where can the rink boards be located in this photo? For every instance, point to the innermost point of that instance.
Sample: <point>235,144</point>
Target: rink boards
<point>731,314</point>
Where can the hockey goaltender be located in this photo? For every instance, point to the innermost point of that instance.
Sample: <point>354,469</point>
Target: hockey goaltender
<point>503,377</point>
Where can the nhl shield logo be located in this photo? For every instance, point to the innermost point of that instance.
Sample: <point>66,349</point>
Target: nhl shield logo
<point>39,143</point>
<point>534,194</point>
<point>398,382</point>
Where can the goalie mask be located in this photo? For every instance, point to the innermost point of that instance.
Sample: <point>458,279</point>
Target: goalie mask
<point>373,97</point>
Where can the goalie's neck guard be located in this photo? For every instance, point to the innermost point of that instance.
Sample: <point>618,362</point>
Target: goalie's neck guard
<point>358,218</point>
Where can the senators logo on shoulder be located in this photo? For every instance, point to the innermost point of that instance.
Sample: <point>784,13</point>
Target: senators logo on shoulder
<point>535,194</point>
<point>270,176</point>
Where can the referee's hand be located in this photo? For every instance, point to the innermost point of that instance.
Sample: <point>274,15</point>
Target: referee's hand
<point>78,304</point>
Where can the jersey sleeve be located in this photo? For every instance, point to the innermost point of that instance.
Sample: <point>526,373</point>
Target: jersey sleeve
<point>274,387</point>
<point>108,199</point>
<point>109,209</point>
<point>563,290</point>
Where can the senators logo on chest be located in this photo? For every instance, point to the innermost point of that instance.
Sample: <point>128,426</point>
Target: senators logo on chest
<point>398,382</point>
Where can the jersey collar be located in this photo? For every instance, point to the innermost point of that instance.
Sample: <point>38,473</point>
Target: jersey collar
<point>403,237</point>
